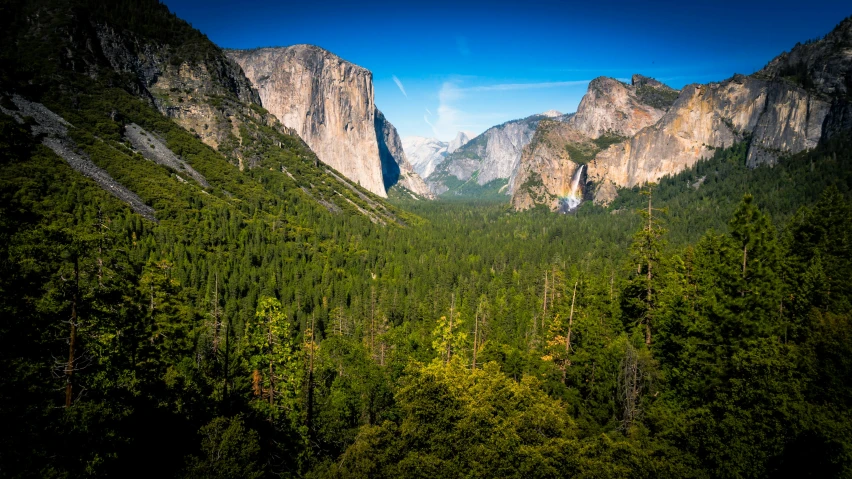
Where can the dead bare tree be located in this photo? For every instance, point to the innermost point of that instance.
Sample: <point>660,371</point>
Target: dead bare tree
<point>629,386</point>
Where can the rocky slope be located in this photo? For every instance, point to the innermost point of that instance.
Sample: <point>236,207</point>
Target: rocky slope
<point>115,54</point>
<point>781,119</point>
<point>493,155</point>
<point>459,141</point>
<point>210,97</point>
<point>824,66</point>
<point>799,99</point>
<point>549,163</point>
<point>425,154</point>
<point>610,107</point>
<point>330,103</point>
<point>609,113</point>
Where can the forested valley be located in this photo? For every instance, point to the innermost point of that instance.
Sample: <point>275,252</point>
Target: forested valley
<point>699,327</point>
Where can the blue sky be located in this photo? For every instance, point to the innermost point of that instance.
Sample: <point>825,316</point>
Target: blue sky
<point>440,67</point>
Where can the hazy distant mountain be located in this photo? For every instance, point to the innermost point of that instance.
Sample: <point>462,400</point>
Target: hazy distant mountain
<point>487,164</point>
<point>460,140</point>
<point>425,154</point>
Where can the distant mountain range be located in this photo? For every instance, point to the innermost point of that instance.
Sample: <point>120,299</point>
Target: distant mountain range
<point>480,166</point>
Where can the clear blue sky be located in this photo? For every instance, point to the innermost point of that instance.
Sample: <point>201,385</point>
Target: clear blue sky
<point>471,65</point>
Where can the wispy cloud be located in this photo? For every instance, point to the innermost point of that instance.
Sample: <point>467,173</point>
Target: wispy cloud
<point>459,105</point>
<point>426,119</point>
<point>525,86</point>
<point>399,84</point>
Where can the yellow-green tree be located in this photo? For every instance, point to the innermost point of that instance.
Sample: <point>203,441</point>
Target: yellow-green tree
<point>273,360</point>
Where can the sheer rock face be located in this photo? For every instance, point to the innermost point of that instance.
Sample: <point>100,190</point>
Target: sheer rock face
<point>495,154</point>
<point>328,101</point>
<point>781,118</point>
<point>503,150</point>
<point>799,99</point>
<point>546,167</point>
<point>396,169</point>
<point>610,107</point>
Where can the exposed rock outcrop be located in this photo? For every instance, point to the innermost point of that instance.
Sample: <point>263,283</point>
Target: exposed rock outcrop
<point>799,99</point>
<point>610,107</point>
<point>493,155</point>
<point>547,166</point>
<point>425,154</point>
<point>155,150</point>
<point>53,130</point>
<point>210,98</point>
<point>780,117</point>
<point>459,141</point>
<point>330,103</point>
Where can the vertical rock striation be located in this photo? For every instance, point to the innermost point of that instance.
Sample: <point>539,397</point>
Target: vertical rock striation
<point>330,103</point>
<point>781,119</point>
<point>610,107</point>
<point>546,166</point>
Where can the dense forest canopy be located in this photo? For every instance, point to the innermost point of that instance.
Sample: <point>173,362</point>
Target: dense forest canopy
<point>699,327</point>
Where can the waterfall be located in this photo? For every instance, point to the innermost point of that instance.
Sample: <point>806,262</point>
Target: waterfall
<point>574,195</point>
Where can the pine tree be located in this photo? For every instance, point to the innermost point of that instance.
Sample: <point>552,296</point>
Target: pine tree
<point>647,250</point>
<point>273,360</point>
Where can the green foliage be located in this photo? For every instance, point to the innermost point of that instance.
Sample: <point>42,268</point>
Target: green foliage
<point>229,451</point>
<point>255,331</point>
<point>657,97</point>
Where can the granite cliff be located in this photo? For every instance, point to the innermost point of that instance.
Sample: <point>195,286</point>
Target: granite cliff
<point>548,163</point>
<point>799,99</point>
<point>491,158</point>
<point>611,107</point>
<point>396,169</point>
<point>330,103</point>
<point>193,96</point>
<point>609,113</point>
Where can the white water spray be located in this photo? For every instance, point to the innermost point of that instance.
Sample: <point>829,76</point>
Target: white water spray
<point>575,194</point>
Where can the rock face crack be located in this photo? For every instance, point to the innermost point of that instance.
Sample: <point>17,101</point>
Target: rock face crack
<point>55,131</point>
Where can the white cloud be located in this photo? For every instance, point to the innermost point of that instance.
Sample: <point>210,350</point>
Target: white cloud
<point>452,116</point>
<point>399,84</point>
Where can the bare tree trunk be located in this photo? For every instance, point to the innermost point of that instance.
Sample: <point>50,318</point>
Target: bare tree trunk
<point>567,362</point>
<point>373,323</point>
<point>571,320</point>
<point>216,317</point>
<point>745,255</point>
<point>226,364</point>
<point>648,312</point>
<point>271,391</point>
<point>475,336</point>
<point>72,342</point>
<point>309,421</point>
<point>629,387</point>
